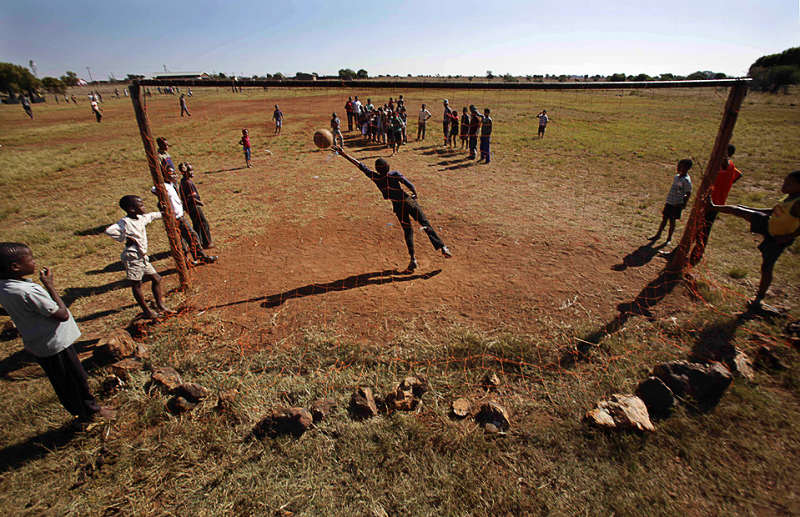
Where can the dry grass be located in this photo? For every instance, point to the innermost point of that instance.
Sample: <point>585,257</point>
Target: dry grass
<point>604,168</point>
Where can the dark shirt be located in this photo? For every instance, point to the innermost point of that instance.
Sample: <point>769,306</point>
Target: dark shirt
<point>486,128</point>
<point>474,123</point>
<point>389,184</point>
<point>189,194</point>
<point>465,124</point>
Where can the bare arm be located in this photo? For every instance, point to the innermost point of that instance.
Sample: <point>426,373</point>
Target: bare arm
<point>346,156</point>
<point>46,276</point>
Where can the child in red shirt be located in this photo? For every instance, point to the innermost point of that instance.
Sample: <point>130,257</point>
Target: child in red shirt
<point>245,143</point>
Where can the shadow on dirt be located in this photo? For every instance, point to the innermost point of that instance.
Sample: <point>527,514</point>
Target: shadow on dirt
<point>639,257</point>
<point>117,266</point>
<point>15,456</point>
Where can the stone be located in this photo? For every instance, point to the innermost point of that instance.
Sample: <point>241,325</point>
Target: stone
<point>178,405</point>
<point>362,404</point>
<point>493,413</point>
<point>491,381</point>
<point>228,407</point>
<point>320,409</point>
<point>111,385</point>
<point>406,395</point>
<point>743,365</point>
<point>164,379</point>
<point>124,368</point>
<point>768,359</point>
<point>624,412</point>
<point>142,352</point>
<point>191,391</point>
<point>461,407</point>
<point>491,428</point>
<point>704,382</point>
<point>294,421</point>
<point>656,396</point>
<point>117,345</point>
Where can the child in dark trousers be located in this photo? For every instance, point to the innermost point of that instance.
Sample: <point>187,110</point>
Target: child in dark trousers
<point>47,328</point>
<point>131,230</point>
<point>780,226</point>
<point>405,207</point>
<point>676,200</point>
<point>191,201</point>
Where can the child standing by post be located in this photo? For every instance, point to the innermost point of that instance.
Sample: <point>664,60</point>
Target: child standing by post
<point>780,226</point>
<point>245,143</point>
<point>47,328</point>
<point>676,199</point>
<point>131,230</point>
<point>191,200</point>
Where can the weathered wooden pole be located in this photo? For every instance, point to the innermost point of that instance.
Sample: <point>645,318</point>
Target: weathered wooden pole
<point>170,223</point>
<point>680,258</point>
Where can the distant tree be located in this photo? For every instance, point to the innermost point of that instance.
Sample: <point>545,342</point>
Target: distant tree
<point>70,78</point>
<point>303,76</point>
<point>666,77</point>
<point>642,77</point>
<point>346,74</point>
<point>719,75</point>
<point>617,78</point>
<point>279,76</point>
<point>53,85</point>
<point>774,72</point>
<point>409,75</point>
<point>15,78</point>
<point>133,77</point>
<point>489,75</point>
<point>697,76</point>
<point>508,78</point>
<point>362,74</point>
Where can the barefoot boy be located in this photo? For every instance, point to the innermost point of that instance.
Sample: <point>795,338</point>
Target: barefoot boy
<point>131,230</point>
<point>245,143</point>
<point>780,226</point>
<point>47,328</point>
<point>676,199</point>
<point>404,206</point>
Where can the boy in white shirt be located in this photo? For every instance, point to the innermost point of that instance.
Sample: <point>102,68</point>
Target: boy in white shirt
<point>131,230</point>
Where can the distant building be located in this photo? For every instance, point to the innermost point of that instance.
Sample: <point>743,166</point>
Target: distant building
<point>181,75</point>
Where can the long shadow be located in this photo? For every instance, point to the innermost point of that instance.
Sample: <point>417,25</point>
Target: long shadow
<point>651,295</point>
<point>22,360</point>
<point>351,282</point>
<point>714,342</point>
<point>17,455</point>
<point>450,162</point>
<point>71,294</point>
<point>443,150</point>
<point>224,170</point>
<point>638,257</point>
<point>470,163</point>
<point>117,266</point>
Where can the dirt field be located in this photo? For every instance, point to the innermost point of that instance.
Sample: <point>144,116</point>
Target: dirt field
<point>308,296</point>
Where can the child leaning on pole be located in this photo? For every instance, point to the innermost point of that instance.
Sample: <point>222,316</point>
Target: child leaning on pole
<point>47,328</point>
<point>779,225</point>
<point>132,232</point>
<point>677,198</point>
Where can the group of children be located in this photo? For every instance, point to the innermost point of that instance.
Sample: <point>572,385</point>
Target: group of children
<point>470,127</point>
<point>779,225</point>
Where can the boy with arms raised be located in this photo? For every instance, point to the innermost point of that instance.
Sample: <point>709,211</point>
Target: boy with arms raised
<point>779,225</point>
<point>131,230</point>
<point>404,206</point>
<point>47,328</point>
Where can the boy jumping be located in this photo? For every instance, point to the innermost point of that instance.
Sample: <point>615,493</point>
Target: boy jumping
<point>404,206</point>
<point>131,230</point>
<point>676,200</point>
<point>47,328</point>
<point>780,226</point>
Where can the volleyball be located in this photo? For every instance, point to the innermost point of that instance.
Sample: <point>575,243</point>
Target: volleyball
<point>323,138</point>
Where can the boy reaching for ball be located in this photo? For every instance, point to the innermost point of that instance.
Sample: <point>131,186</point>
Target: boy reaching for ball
<point>131,230</point>
<point>404,206</point>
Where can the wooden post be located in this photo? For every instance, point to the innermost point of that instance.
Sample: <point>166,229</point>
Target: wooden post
<point>170,223</point>
<point>680,258</point>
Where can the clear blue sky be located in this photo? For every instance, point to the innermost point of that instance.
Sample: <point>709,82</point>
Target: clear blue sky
<point>446,37</point>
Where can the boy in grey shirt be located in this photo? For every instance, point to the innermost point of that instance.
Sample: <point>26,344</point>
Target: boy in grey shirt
<point>47,328</point>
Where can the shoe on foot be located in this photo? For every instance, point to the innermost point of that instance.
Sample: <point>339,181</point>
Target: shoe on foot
<point>210,259</point>
<point>412,265</point>
<point>446,252</point>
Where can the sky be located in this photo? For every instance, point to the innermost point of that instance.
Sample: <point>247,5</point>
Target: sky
<point>418,37</point>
